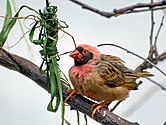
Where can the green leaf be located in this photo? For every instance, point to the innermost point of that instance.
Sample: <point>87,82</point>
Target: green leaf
<point>52,81</point>
<point>50,107</point>
<point>56,70</point>
<point>41,68</point>
<point>57,104</point>
<point>44,44</point>
<point>31,34</point>
<point>38,42</point>
<point>8,13</point>
<point>53,90</point>
<point>8,24</point>
<point>51,50</point>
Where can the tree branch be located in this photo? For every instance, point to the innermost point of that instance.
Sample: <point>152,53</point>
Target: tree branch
<point>77,102</point>
<point>130,9</point>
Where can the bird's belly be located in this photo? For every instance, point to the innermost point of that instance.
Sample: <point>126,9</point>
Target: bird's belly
<point>97,90</point>
<point>93,86</point>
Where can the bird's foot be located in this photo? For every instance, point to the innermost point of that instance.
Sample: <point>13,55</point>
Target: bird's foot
<point>71,94</point>
<point>69,90</point>
<point>96,109</point>
<point>99,106</point>
<point>95,105</point>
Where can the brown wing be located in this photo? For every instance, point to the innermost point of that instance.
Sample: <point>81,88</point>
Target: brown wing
<point>110,74</point>
<point>111,58</point>
<point>113,71</point>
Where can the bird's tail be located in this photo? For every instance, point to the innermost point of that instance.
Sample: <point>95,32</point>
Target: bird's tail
<point>144,74</point>
<point>130,79</point>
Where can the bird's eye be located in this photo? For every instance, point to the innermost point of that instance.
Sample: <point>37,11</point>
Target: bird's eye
<point>85,51</point>
<point>80,49</point>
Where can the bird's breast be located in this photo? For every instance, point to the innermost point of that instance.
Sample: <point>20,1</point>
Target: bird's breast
<point>80,72</point>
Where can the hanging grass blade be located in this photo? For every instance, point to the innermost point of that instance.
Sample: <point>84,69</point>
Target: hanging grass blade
<point>41,67</point>
<point>45,45</point>
<point>8,13</point>
<point>53,91</point>
<point>52,81</point>
<point>48,26</point>
<point>32,31</point>
<point>24,6</point>
<point>50,105</point>
<point>8,24</point>
<point>56,70</point>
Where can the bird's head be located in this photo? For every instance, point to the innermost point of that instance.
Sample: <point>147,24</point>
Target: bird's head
<point>83,53</point>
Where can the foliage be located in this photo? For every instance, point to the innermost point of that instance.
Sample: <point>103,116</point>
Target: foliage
<point>47,25</point>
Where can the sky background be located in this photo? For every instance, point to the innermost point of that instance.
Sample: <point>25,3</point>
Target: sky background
<point>25,103</point>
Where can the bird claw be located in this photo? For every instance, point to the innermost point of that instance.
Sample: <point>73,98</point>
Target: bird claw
<point>94,105</point>
<point>71,94</point>
<point>96,109</point>
<point>69,90</point>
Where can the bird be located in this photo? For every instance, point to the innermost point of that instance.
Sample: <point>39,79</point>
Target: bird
<point>100,77</point>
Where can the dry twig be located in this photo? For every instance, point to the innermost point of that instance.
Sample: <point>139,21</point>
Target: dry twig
<point>139,7</point>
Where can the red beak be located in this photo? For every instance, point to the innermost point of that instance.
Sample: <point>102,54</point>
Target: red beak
<point>76,55</point>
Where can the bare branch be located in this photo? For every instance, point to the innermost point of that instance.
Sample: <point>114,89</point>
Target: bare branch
<point>47,3</point>
<point>153,55</point>
<point>116,105</point>
<point>77,102</point>
<point>156,37</point>
<point>152,29</point>
<point>130,9</point>
<point>156,83</point>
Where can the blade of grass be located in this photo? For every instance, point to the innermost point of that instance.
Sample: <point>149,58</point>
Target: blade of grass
<point>6,27</point>
<point>8,13</point>
<point>56,70</point>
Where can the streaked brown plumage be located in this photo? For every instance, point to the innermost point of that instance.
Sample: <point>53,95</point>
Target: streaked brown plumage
<point>103,78</point>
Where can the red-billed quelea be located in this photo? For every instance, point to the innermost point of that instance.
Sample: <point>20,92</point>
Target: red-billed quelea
<point>103,78</point>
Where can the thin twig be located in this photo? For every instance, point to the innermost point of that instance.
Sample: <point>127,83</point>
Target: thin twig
<point>145,10</point>
<point>47,3</point>
<point>70,36</point>
<point>116,105</point>
<point>156,37</point>
<point>64,53</point>
<point>23,36</point>
<point>128,51</point>
<point>78,118</point>
<point>152,29</point>
<point>67,122</point>
<point>117,12</point>
<point>86,120</point>
<point>156,83</point>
